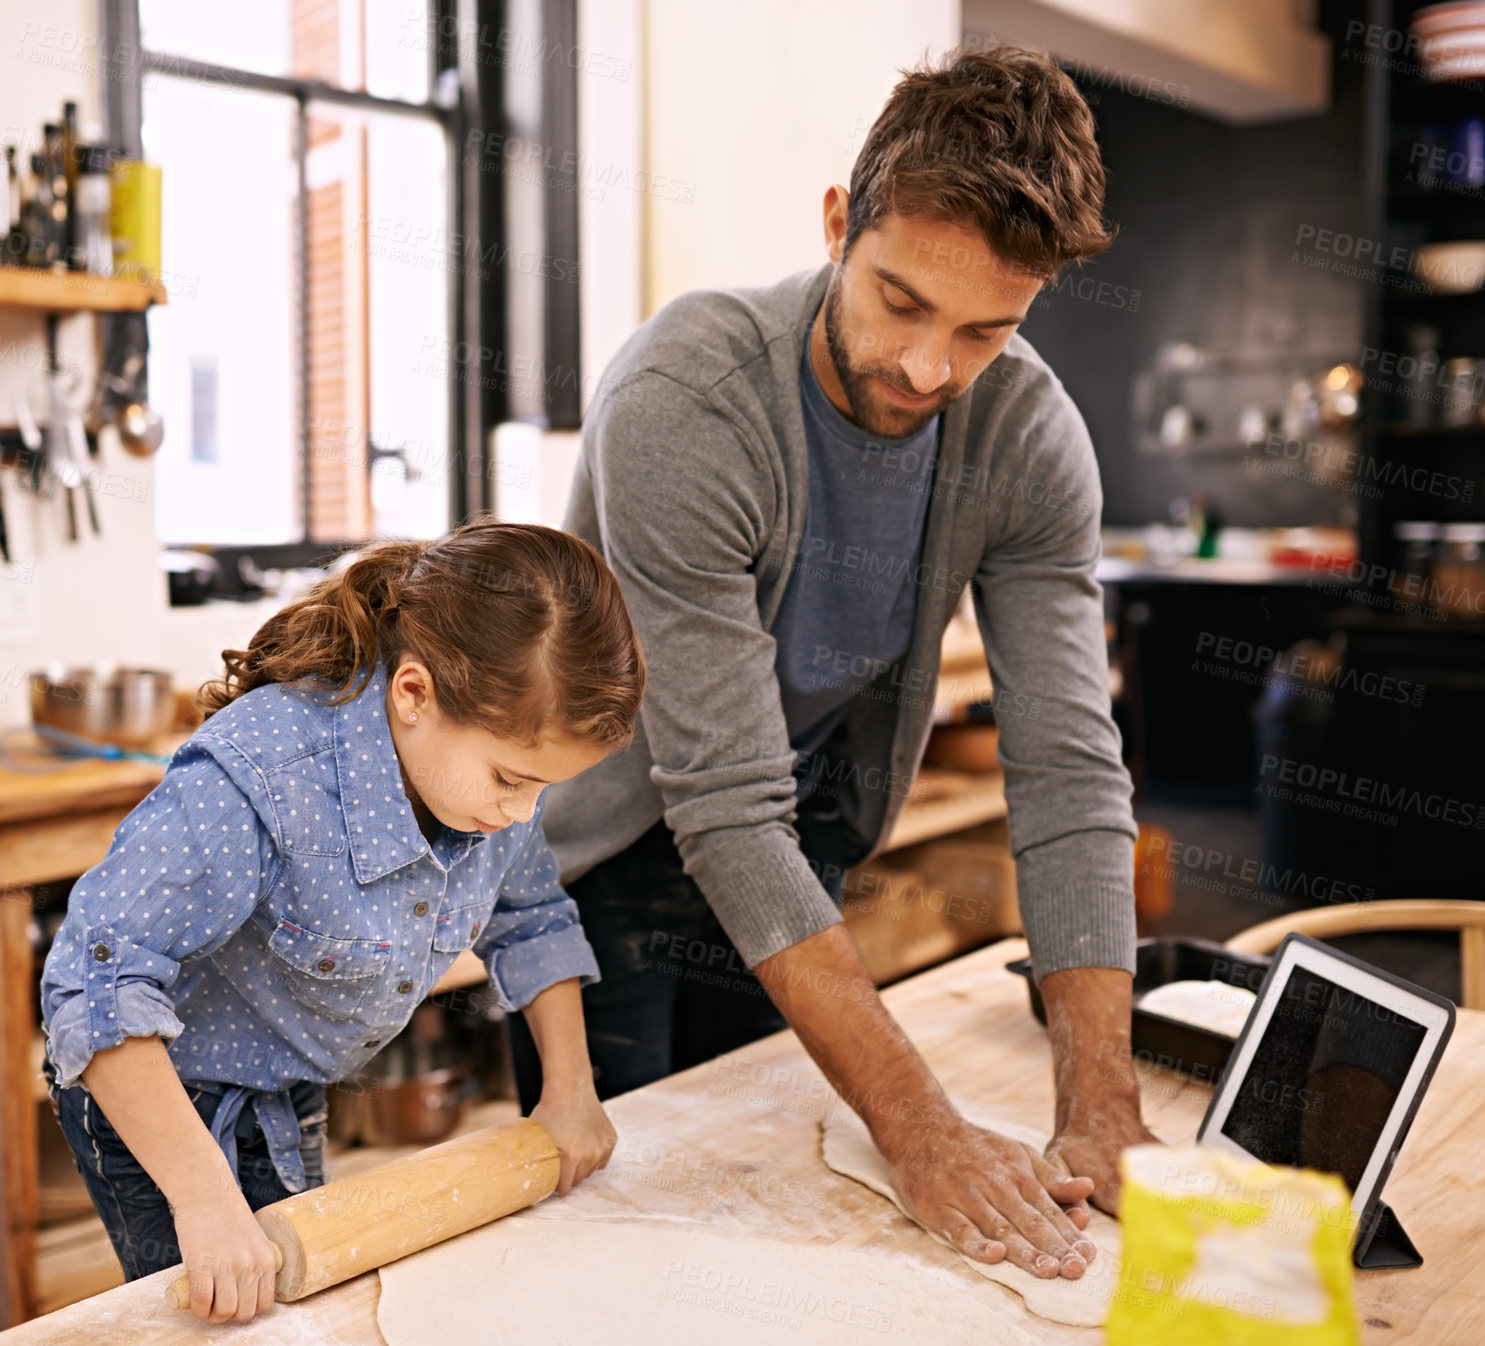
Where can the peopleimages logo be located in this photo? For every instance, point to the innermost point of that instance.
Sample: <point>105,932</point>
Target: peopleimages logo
<point>1433,597</point>
<point>1228,872</point>
<point>1332,786</point>
<point>1323,461</point>
<point>1321,667</point>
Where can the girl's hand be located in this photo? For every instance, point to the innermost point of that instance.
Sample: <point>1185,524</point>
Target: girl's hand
<point>577,1122</point>
<point>569,1107</point>
<point>228,1257</point>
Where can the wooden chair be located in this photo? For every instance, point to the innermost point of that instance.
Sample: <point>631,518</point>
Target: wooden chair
<point>1355,918</point>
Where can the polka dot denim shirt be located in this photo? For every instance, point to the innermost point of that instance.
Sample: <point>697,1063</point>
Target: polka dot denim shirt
<point>273,911</point>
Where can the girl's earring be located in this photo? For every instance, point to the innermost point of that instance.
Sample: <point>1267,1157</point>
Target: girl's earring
<point>412,716</point>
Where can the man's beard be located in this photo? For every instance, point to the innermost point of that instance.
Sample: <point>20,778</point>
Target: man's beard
<point>876,417</point>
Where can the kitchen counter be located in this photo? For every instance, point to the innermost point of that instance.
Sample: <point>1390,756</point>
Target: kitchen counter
<point>735,1145</point>
<point>79,787</point>
<point>1245,556</point>
<point>1218,570</point>
<point>53,825</point>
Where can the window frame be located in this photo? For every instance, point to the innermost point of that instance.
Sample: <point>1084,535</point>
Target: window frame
<point>129,63</point>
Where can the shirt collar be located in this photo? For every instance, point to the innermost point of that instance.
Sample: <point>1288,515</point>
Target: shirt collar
<point>372,794</point>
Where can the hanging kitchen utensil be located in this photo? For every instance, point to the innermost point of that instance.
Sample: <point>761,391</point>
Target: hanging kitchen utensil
<point>31,438</point>
<point>113,390</point>
<point>119,400</point>
<point>121,397</point>
<point>141,429</point>
<point>77,448</point>
<point>59,452</point>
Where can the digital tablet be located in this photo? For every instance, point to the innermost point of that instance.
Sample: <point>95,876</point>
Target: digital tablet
<point>1329,1070</point>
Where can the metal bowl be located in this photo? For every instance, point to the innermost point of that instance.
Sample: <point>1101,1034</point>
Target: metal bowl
<point>130,707</point>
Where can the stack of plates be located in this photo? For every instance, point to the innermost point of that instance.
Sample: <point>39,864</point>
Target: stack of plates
<point>1451,39</point>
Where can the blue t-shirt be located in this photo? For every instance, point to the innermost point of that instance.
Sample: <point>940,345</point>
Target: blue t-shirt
<point>848,609</point>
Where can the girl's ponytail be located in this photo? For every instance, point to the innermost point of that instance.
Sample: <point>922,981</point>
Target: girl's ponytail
<point>519,625</point>
<point>327,636</point>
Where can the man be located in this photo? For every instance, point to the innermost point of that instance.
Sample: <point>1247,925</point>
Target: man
<point>794,486</point>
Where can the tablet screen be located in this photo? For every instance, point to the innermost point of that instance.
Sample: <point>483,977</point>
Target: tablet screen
<point>1323,1079</point>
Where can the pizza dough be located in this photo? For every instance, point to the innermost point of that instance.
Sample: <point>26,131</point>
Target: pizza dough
<point>849,1149</point>
<point>529,1280</point>
<point>1214,1005</point>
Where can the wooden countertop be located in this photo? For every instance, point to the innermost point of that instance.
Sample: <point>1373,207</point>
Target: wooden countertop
<point>734,1147</point>
<point>1117,570</point>
<point>80,786</point>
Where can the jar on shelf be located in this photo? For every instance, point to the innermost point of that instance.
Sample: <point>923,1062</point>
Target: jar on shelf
<point>93,238</point>
<point>1461,405</point>
<point>1420,375</point>
<point>1458,572</point>
<point>1419,540</point>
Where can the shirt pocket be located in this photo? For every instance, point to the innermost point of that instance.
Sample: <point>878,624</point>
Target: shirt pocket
<point>327,975</point>
<point>455,931</point>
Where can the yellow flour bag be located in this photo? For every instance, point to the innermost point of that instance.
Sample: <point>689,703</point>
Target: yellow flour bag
<point>1220,1251</point>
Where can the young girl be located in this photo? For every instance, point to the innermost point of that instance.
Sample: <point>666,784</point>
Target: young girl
<point>363,802</point>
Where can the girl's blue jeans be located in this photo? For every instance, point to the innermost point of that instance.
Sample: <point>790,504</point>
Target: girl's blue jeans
<point>134,1210</point>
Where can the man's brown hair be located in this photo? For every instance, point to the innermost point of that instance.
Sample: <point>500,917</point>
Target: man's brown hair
<point>998,140</point>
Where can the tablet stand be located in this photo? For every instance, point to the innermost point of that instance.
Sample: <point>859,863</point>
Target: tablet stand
<point>1385,1243</point>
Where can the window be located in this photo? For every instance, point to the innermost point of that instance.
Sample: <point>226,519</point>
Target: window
<point>204,410</point>
<point>310,188</point>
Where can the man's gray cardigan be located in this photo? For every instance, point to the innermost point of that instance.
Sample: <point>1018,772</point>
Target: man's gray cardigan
<point>692,483</point>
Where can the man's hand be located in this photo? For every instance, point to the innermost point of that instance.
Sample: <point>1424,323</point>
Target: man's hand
<point>1091,1146</point>
<point>1098,1097</point>
<point>991,1197</point>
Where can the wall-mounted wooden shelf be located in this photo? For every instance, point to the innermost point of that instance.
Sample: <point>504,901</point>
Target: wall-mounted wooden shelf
<point>74,292</point>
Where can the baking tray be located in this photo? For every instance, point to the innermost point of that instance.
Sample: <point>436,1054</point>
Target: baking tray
<point>1194,1051</point>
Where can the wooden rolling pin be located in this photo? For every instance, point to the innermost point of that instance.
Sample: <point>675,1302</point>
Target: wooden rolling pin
<point>331,1233</point>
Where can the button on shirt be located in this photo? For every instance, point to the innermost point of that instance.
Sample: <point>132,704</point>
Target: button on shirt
<point>273,911</point>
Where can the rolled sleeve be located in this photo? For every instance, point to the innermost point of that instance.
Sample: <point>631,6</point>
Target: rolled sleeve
<point>534,938</point>
<point>184,871</point>
<point>1077,901</point>
<point>115,1002</point>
